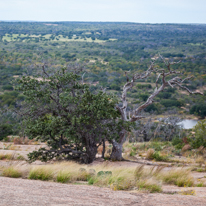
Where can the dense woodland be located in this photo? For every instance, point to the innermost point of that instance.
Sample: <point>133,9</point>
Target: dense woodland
<point>107,51</point>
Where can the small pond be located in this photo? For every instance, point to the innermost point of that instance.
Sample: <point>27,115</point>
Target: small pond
<point>188,123</point>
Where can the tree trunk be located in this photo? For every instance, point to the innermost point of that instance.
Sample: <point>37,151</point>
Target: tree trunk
<point>103,151</point>
<point>91,154</point>
<point>116,151</point>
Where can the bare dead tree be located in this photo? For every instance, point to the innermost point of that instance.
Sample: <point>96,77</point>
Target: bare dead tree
<point>168,77</point>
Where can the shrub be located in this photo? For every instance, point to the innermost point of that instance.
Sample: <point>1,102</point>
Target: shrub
<point>158,157</point>
<point>199,109</point>
<point>5,130</point>
<point>171,103</point>
<point>156,146</point>
<point>7,87</point>
<point>199,139</point>
<point>177,143</point>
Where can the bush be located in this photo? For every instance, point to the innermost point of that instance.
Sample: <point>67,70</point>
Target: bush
<point>177,143</point>
<point>199,109</point>
<point>158,157</point>
<point>5,130</point>
<point>171,103</point>
<point>151,107</point>
<point>7,87</point>
<point>199,139</point>
<point>156,146</point>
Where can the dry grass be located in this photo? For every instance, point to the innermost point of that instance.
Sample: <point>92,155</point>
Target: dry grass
<point>117,178</point>
<point>8,156</point>
<point>180,177</point>
<point>200,160</point>
<point>21,140</point>
<point>11,172</point>
<point>150,154</point>
<point>11,156</point>
<point>40,173</point>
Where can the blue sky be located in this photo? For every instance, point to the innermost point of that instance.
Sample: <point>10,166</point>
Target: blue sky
<point>142,11</point>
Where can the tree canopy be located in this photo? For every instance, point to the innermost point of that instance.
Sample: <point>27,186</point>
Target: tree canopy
<point>61,110</point>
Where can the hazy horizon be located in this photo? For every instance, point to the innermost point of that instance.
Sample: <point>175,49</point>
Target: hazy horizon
<point>134,11</point>
<point>95,22</point>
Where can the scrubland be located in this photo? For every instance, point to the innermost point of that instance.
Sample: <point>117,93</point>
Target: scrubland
<point>147,167</point>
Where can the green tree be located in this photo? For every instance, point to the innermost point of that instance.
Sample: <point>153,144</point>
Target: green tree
<point>200,130</point>
<point>62,111</point>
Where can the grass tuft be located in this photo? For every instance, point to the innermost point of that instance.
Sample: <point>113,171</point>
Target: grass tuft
<point>63,177</point>
<point>40,173</point>
<point>11,172</point>
<point>179,177</point>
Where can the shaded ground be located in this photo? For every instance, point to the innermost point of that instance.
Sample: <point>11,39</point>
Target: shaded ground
<point>33,192</point>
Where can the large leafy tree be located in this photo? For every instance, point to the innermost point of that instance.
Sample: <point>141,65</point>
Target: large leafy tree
<point>60,110</point>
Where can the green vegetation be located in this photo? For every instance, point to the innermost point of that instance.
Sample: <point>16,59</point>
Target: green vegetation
<point>199,139</point>
<point>119,178</point>
<point>40,174</point>
<point>11,172</point>
<point>107,50</point>
<point>64,113</point>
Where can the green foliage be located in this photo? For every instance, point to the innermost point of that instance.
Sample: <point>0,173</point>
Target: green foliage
<point>144,96</point>
<point>7,87</point>
<point>199,109</point>
<point>151,107</point>
<point>164,95</point>
<point>66,114</point>
<point>5,130</point>
<point>177,142</point>
<point>104,173</point>
<point>158,157</point>
<point>171,103</point>
<point>142,86</point>
<point>22,43</point>
<point>156,146</point>
<point>200,138</point>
